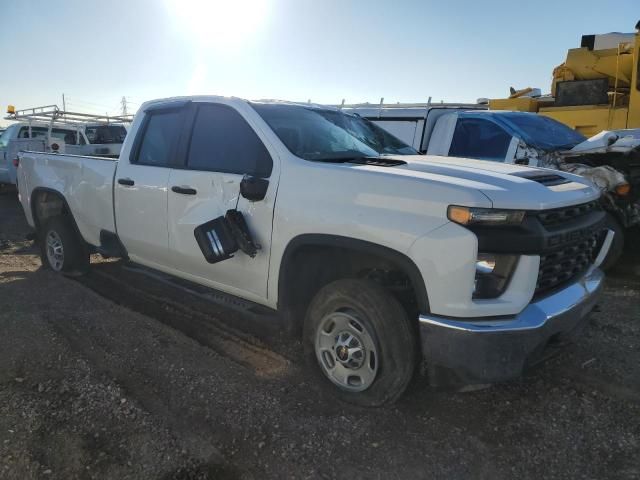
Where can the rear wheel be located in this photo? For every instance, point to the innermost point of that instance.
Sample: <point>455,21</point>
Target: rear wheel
<point>61,248</point>
<point>360,342</point>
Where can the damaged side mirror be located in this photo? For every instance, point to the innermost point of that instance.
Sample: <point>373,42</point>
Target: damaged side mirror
<point>253,188</point>
<point>221,237</point>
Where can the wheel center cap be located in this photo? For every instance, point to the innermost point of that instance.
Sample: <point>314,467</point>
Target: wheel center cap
<point>342,352</point>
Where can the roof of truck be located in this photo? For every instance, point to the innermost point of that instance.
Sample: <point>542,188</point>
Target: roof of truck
<point>196,98</point>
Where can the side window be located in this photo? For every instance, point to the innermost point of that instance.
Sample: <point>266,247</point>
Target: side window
<point>36,132</point>
<point>478,138</point>
<point>223,141</point>
<point>159,138</point>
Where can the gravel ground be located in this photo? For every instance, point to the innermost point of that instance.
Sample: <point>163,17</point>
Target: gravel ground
<point>119,375</point>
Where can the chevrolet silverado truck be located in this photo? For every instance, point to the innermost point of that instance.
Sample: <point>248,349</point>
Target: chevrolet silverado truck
<point>384,261</point>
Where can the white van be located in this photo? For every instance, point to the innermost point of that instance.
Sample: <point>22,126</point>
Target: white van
<point>101,140</point>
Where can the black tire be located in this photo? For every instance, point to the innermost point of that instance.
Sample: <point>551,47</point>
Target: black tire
<point>384,320</point>
<point>75,254</point>
<point>617,246</point>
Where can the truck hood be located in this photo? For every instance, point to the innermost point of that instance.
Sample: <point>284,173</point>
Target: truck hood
<point>507,186</point>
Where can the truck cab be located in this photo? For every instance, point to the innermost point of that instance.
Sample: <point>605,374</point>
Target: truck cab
<point>509,137</point>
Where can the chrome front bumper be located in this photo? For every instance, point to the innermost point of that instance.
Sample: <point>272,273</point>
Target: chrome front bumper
<point>492,350</point>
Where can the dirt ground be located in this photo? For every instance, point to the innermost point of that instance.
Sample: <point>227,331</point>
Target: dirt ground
<point>121,375</point>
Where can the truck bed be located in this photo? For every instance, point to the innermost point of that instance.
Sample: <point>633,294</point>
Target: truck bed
<point>86,183</point>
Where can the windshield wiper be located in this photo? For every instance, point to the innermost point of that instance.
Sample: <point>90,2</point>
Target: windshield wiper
<point>336,159</point>
<point>379,161</point>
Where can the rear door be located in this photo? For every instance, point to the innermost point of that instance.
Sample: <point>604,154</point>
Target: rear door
<point>220,147</point>
<point>140,188</point>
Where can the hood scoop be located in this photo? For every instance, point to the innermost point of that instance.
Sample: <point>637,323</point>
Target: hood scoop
<point>378,161</point>
<point>545,178</point>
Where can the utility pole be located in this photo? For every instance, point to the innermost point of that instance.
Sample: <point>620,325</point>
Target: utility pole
<point>123,104</point>
<point>64,105</point>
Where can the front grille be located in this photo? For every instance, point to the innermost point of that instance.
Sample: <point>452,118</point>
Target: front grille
<point>563,264</point>
<point>557,216</point>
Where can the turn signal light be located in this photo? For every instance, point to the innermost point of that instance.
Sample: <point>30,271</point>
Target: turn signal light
<point>484,216</point>
<point>623,189</point>
<point>11,109</point>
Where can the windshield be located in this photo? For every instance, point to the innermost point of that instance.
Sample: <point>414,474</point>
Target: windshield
<point>329,135</point>
<point>545,132</point>
<point>6,134</point>
<point>106,134</point>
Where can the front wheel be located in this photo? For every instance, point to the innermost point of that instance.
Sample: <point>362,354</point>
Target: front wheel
<point>61,248</point>
<point>360,342</point>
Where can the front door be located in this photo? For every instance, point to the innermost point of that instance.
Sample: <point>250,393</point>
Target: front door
<point>222,148</point>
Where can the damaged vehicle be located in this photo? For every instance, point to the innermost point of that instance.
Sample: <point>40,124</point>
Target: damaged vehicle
<point>375,256</point>
<point>611,159</point>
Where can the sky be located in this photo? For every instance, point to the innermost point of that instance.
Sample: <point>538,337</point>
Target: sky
<point>319,50</point>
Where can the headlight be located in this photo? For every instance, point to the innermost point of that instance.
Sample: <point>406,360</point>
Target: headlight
<point>484,216</point>
<point>493,273</point>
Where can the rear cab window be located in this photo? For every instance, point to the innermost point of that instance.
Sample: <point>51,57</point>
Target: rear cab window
<point>105,133</point>
<point>158,136</point>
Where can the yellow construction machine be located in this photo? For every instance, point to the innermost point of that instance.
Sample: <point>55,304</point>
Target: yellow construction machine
<point>597,88</point>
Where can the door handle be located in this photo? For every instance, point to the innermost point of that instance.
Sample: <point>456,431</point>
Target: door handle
<point>126,181</point>
<point>184,190</point>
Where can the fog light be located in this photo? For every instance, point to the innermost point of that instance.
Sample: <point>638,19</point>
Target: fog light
<point>485,263</point>
<point>493,273</point>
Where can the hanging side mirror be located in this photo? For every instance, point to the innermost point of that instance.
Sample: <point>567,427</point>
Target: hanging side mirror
<point>253,188</point>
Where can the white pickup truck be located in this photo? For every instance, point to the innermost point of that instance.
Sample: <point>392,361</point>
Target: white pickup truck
<point>377,256</point>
